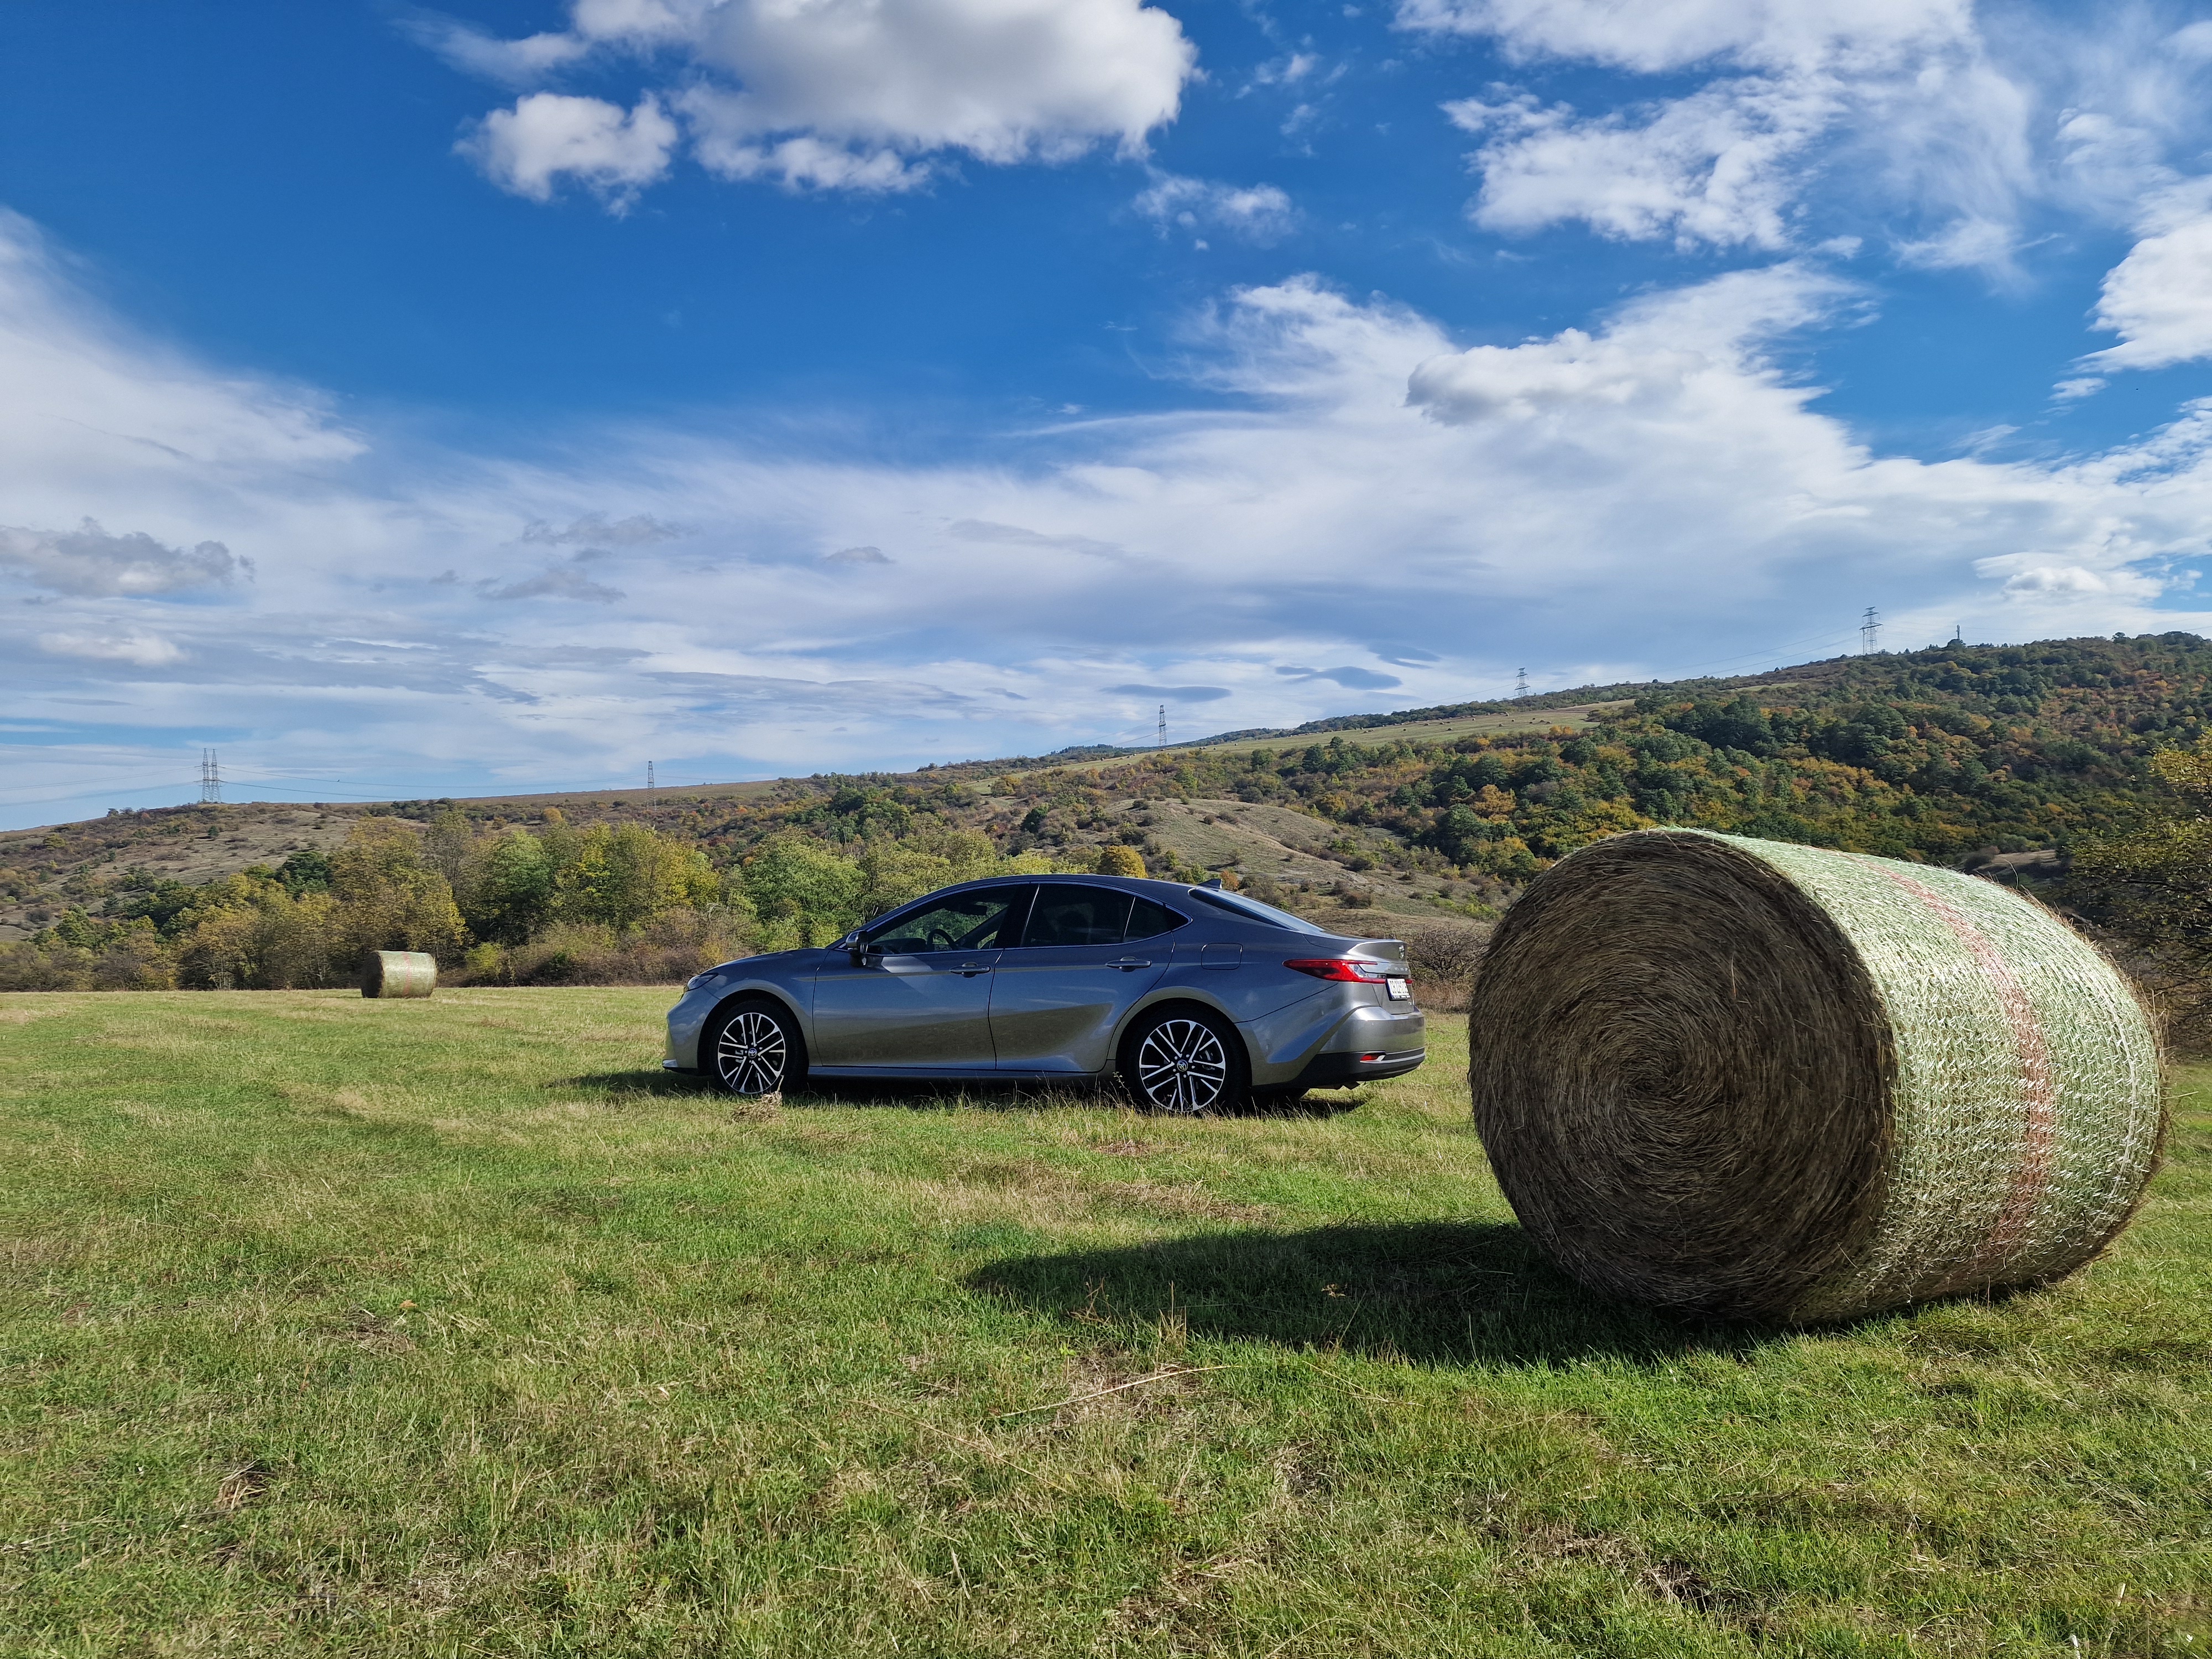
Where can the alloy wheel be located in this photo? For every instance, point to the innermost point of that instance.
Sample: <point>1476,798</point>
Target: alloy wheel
<point>1182,1066</point>
<point>750,1053</point>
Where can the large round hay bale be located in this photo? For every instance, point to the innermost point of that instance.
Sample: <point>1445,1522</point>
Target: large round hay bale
<point>399,973</point>
<point>1757,1081</point>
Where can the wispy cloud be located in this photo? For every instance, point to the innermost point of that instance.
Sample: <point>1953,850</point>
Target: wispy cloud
<point>1355,679</point>
<point>1256,213</point>
<point>1169,692</point>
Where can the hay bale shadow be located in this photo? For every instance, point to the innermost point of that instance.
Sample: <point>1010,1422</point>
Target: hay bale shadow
<point>1429,1292</point>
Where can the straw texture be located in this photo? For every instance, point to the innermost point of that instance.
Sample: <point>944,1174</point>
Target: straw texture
<point>1760,1080</point>
<point>399,973</point>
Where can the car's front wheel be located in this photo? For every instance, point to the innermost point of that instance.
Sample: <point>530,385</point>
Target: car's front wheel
<point>753,1048</point>
<point>1185,1061</point>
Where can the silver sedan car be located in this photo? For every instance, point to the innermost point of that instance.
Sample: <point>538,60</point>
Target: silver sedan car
<point>1196,997</point>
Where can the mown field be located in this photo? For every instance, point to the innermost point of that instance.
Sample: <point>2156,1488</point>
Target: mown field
<point>453,1327</point>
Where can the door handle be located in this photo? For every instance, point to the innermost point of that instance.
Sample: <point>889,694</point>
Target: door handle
<point>970,970</point>
<point>1129,965</point>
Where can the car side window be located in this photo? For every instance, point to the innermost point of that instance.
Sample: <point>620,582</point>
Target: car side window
<point>967,921</point>
<point>1148,920</point>
<point>1076,916</point>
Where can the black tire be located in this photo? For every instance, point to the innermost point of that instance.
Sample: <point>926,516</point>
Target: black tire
<point>752,1048</point>
<point>1185,1062</point>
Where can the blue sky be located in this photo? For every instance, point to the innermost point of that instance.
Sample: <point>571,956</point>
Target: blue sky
<point>407,401</point>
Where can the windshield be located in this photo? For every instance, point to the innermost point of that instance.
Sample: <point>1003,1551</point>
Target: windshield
<point>1252,910</point>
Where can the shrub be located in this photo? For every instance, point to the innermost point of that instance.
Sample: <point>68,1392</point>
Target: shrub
<point>1119,861</point>
<point>668,949</point>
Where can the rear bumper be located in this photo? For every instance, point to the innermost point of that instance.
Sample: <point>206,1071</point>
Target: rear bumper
<point>1335,1071</point>
<point>1325,1035</point>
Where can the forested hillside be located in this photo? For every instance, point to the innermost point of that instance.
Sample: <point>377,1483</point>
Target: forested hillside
<point>1959,754</point>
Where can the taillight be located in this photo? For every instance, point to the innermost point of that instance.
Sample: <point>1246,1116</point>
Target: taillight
<point>1357,970</point>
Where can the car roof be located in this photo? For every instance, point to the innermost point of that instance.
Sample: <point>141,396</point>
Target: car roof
<point>1145,884</point>
<point>1126,884</point>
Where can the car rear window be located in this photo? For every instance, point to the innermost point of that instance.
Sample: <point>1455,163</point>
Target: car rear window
<point>1076,916</point>
<point>1148,920</point>
<point>1252,910</point>
<point>1095,916</point>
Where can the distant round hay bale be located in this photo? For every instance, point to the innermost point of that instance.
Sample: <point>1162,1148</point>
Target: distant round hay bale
<point>399,973</point>
<point>1757,1081</point>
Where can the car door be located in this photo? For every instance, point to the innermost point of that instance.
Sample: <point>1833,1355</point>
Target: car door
<point>918,995</point>
<point>1059,995</point>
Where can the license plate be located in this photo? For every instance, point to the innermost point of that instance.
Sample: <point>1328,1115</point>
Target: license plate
<point>1399,990</point>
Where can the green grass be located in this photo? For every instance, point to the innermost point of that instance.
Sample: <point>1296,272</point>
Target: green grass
<point>452,1328</point>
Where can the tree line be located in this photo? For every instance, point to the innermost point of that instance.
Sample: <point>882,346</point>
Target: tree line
<point>599,903</point>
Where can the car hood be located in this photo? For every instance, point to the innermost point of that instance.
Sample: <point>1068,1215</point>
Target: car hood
<point>754,963</point>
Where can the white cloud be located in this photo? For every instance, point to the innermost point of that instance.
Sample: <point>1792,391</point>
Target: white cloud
<point>727,147</point>
<point>833,95</point>
<point>521,62</point>
<point>140,650</point>
<point>1896,103</point>
<point>89,560</point>
<point>1711,167</point>
<point>2158,298</point>
<point>1662,358</point>
<point>1258,213</point>
<point>547,135</point>
<point>1287,71</point>
<point>594,529</point>
<point>1653,38</point>
<point>852,556</point>
<point>2028,576</point>
<point>570,581</point>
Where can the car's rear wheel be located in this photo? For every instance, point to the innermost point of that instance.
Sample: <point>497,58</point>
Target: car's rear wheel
<point>1185,1061</point>
<point>753,1048</point>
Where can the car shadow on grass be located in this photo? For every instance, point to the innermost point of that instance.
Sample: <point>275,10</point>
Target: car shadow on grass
<point>641,1081</point>
<point>943,1097</point>
<point>1429,1292</point>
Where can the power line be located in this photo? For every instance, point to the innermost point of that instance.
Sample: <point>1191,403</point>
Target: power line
<point>1521,685</point>
<point>651,801</point>
<point>1162,740</point>
<point>210,778</point>
<point>1869,632</point>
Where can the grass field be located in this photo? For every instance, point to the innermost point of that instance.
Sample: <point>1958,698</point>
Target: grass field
<point>453,1327</point>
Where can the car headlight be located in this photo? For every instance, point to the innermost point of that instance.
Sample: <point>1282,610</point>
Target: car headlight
<point>712,976</point>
